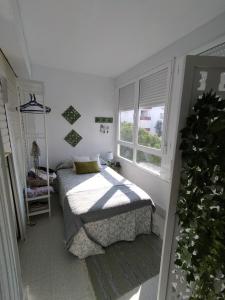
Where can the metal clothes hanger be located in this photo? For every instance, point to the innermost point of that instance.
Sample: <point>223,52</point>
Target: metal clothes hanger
<point>33,107</point>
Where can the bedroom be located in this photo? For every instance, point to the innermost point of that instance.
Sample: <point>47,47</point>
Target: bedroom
<point>97,57</point>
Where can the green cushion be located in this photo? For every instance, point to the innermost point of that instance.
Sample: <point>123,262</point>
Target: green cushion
<point>87,167</point>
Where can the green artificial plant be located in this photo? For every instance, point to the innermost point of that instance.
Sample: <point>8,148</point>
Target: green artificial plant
<point>200,253</point>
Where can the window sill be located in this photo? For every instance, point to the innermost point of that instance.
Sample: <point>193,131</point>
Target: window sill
<point>149,171</point>
<point>153,170</point>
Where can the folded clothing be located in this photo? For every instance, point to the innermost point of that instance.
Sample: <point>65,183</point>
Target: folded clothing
<point>50,171</point>
<point>38,191</point>
<point>36,181</point>
<point>43,174</point>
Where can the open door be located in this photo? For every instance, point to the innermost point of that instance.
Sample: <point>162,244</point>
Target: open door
<point>202,73</point>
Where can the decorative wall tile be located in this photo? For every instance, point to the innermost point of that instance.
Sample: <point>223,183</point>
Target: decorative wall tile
<point>71,115</point>
<point>103,120</point>
<point>73,138</point>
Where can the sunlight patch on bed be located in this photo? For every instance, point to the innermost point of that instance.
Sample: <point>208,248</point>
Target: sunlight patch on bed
<point>112,201</point>
<point>93,183</point>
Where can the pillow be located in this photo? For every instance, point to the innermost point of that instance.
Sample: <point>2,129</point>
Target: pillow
<point>80,159</point>
<point>96,157</point>
<point>67,164</point>
<point>87,167</point>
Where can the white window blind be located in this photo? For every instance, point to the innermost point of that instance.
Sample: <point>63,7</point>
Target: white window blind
<point>126,97</point>
<point>3,121</point>
<point>154,88</point>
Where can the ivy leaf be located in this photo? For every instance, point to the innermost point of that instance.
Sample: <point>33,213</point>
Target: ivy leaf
<point>217,126</point>
<point>201,204</point>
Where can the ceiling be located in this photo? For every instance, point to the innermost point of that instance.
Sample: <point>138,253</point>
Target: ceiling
<point>10,42</point>
<point>107,37</point>
<point>6,9</point>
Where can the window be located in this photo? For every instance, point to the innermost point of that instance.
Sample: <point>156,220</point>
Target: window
<point>126,121</point>
<point>150,129</point>
<point>126,125</point>
<point>142,121</point>
<point>126,152</point>
<point>147,160</point>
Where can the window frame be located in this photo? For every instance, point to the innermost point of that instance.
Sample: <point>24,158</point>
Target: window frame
<point>134,145</point>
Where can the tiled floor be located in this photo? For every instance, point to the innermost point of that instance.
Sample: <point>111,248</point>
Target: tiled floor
<point>49,271</point>
<point>52,273</point>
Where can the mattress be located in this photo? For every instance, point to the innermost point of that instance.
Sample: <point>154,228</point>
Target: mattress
<point>91,198</point>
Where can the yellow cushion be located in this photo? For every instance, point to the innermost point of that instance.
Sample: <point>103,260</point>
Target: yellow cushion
<point>86,167</point>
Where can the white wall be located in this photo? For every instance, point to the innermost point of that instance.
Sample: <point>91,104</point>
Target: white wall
<point>152,184</point>
<point>92,96</point>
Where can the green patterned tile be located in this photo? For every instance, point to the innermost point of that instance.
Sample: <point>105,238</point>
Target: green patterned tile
<point>103,120</point>
<point>71,114</point>
<point>73,138</point>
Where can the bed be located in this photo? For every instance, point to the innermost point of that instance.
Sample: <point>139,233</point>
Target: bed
<point>100,209</point>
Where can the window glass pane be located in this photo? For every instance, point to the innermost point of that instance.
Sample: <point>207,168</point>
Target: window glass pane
<point>126,125</point>
<point>150,126</point>
<point>149,161</point>
<point>126,152</point>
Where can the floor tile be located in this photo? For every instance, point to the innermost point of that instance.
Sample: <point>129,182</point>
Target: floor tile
<point>49,271</point>
<point>52,273</point>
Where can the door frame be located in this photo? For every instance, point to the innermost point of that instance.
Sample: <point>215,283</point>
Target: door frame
<point>170,214</point>
<point>13,165</point>
<point>11,287</point>
<point>16,195</point>
<point>185,93</point>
